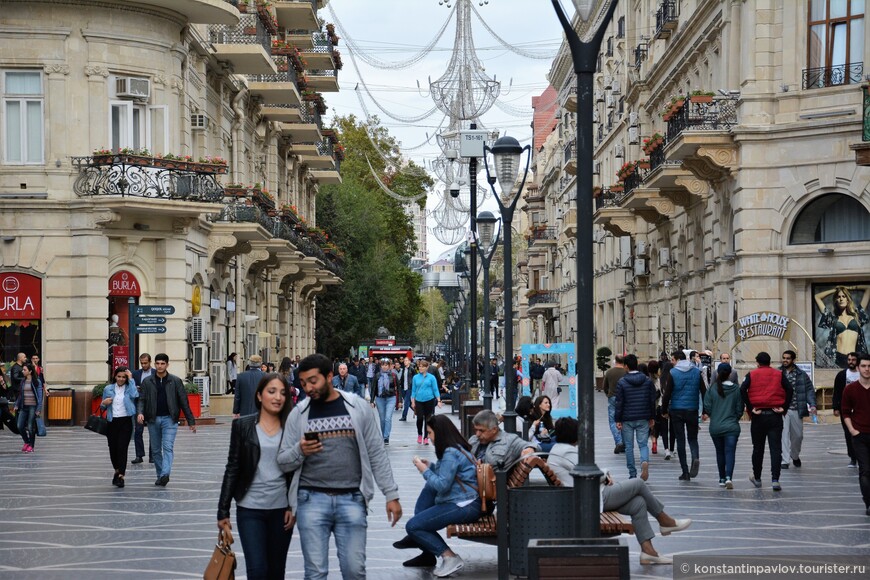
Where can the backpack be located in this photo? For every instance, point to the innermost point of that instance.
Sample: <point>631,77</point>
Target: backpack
<point>485,482</point>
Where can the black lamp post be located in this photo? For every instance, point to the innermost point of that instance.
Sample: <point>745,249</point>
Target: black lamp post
<point>487,245</point>
<point>586,474</point>
<point>507,153</point>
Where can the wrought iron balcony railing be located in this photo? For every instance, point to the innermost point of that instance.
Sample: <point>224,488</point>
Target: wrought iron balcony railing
<point>718,115</point>
<point>609,198</point>
<point>570,152</point>
<point>633,181</point>
<point>250,30</point>
<point>832,76</point>
<point>325,148</point>
<point>657,156</point>
<point>544,297</point>
<point>666,18</point>
<point>541,233</point>
<point>309,114</point>
<point>286,73</point>
<point>322,43</point>
<point>866,132</point>
<point>138,176</point>
<point>239,212</point>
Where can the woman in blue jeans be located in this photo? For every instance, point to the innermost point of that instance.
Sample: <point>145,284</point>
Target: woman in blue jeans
<point>724,407</point>
<point>28,406</point>
<point>253,478</point>
<point>449,497</point>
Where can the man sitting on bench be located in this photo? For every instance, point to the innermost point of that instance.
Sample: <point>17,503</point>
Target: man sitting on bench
<point>492,445</point>
<point>632,498</point>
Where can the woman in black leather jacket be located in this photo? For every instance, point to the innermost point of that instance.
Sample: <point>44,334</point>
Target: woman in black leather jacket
<point>253,478</point>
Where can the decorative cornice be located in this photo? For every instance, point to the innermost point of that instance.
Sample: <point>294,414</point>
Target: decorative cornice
<point>96,71</point>
<point>57,69</point>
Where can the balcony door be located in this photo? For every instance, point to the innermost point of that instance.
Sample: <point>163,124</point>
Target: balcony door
<point>835,43</point>
<point>137,126</point>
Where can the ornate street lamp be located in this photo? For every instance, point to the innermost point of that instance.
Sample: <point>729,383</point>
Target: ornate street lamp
<point>487,244</point>
<point>507,153</point>
<point>586,474</point>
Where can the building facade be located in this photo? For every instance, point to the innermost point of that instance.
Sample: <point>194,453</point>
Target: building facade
<point>162,153</point>
<point>725,183</point>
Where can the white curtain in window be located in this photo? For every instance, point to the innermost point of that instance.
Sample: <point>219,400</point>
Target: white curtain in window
<point>13,132</point>
<point>23,83</point>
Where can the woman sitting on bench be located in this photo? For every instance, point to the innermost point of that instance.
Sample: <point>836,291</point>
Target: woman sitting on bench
<point>449,497</point>
<point>632,498</point>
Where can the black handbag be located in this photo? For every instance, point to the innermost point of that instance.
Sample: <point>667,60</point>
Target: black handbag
<point>98,424</point>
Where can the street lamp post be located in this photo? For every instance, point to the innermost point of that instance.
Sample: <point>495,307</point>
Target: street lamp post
<point>487,245</point>
<point>507,154</point>
<point>586,474</point>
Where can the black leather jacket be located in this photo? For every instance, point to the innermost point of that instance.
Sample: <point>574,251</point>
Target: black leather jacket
<point>242,460</point>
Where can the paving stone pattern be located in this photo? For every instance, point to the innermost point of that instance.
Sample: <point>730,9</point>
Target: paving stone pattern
<point>62,519</point>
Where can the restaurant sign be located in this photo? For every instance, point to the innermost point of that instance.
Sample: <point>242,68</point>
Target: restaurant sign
<point>763,324</point>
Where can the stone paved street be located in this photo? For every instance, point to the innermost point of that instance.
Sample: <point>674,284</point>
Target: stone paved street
<point>62,519</point>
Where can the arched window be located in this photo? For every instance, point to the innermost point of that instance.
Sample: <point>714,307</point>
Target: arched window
<point>832,218</point>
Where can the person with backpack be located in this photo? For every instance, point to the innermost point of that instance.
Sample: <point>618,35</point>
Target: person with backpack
<point>449,497</point>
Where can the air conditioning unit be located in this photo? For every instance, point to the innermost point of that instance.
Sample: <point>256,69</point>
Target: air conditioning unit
<point>633,119</point>
<point>199,122</point>
<point>664,257</point>
<point>620,329</point>
<point>616,87</point>
<point>625,252</point>
<point>197,330</point>
<point>633,136</point>
<point>252,344</point>
<point>200,358</point>
<point>640,248</point>
<point>596,168</point>
<point>217,374</point>
<point>202,385</point>
<point>216,349</point>
<point>133,88</point>
<point>640,267</point>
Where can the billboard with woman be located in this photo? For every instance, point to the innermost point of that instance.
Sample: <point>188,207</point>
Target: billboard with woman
<point>842,322</point>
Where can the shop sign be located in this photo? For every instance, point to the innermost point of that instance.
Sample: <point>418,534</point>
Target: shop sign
<point>121,356</point>
<point>20,297</point>
<point>385,342</point>
<point>123,283</point>
<point>763,324</point>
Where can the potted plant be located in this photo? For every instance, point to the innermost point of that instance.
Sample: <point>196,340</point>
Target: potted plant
<point>235,190</point>
<point>617,188</point>
<point>194,399</point>
<point>701,97</point>
<point>602,361</point>
<point>102,156</point>
<point>97,394</point>
<point>643,164</point>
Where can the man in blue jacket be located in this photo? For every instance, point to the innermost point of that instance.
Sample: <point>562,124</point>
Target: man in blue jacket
<point>347,382</point>
<point>635,414</point>
<point>682,395</point>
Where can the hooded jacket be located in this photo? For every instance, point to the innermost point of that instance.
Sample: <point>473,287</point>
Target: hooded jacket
<point>685,380</point>
<point>635,398</point>
<point>724,412</point>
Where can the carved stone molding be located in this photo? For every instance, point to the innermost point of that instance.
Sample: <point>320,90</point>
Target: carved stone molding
<point>103,217</point>
<point>662,206</point>
<point>96,71</point>
<point>182,225</point>
<point>724,157</point>
<point>679,197</point>
<point>697,187</point>
<point>176,85</point>
<point>57,69</point>
<point>129,247</point>
<point>627,225</point>
<point>650,216</point>
<point>217,243</point>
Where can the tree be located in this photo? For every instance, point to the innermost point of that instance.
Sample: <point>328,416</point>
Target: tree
<point>377,238</point>
<point>432,319</point>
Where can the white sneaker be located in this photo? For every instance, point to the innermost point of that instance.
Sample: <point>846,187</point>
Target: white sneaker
<point>646,559</point>
<point>449,565</point>
<point>668,455</point>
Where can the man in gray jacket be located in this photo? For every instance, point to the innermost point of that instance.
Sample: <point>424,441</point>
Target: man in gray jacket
<point>333,445</point>
<point>803,404</point>
<point>492,445</point>
<point>161,398</point>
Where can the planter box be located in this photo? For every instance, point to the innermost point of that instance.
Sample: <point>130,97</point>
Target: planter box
<point>195,402</point>
<point>701,98</point>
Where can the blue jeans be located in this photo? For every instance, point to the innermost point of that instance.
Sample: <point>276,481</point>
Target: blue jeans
<point>26,421</point>
<point>386,406</point>
<point>317,516</point>
<point>726,448</point>
<point>264,541</point>
<point>640,430</point>
<point>406,404</point>
<point>430,517</point>
<point>611,414</point>
<point>161,434</point>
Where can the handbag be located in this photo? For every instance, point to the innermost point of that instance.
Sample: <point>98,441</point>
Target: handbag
<point>222,565</point>
<point>98,424</point>
<point>40,427</point>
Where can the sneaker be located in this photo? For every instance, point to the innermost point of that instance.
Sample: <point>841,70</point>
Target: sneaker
<point>775,485</point>
<point>419,439</point>
<point>620,448</point>
<point>755,482</point>
<point>679,526</point>
<point>797,462</point>
<point>648,560</point>
<point>386,441</point>
<point>853,464</point>
<point>693,471</point>
<point>426,441</point>
<point>667,455</point>
<point>29,449</point>
<point>448,566</point>
<point>24,448</point>
<point>424,560</point>
<point>728,484</point>
<point>721,483</point>
<point>120,481</point>
<point>162,481</point>
<point>402,419</point>
<point>784,465</point>
<point>685,477</point>
<point>644,470</point>
<point>655,448</point>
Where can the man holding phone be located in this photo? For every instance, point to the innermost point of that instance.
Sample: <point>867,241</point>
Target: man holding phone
<point>333,444</point>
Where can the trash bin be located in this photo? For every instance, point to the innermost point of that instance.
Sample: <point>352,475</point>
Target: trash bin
<point>537,512</point>
<point>579,558</point>
<point>60,407</point>
<point>467,411</point>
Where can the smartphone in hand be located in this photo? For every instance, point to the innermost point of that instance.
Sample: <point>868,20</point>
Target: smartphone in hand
<point>312,436</point>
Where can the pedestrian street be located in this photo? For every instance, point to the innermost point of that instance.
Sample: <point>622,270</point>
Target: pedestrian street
<point>62,519</point>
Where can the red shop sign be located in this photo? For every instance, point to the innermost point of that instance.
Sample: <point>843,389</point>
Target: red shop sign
<point>385,342</point>
<point>120,356</point>
<point>20,297</point>
<point>123,283</point>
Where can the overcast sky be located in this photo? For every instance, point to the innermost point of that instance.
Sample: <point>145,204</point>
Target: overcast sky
<point>396,30</point>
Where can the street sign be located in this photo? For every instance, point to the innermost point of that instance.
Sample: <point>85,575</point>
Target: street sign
<point>150,320</point>
<point>150,330</point>
<point>163,309</point>
<point>471,142</point>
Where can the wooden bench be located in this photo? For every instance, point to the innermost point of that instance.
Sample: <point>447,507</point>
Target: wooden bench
<point>485,530</point>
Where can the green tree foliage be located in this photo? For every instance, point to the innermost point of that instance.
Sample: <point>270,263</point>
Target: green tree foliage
<point>377,238</point>
<point>432,318</point>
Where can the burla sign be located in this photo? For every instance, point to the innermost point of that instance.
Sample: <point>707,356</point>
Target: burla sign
<point>20,297</point>
<point>124,283</point>
<point>763,324</point>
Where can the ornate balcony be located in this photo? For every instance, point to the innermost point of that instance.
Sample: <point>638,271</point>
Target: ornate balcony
<point>699,135</point>
<point>569,223</point>
<point>833,76</point>
<point>319,55</point>
<point>609,215</point>
<point>297,15</point>
<point>246,46</point>
<point>279,88</point>
<point>666,19</point>
<point>308,129</point>
<point>542,237</point>
<point>862,150</point>
<point>323,80</point>
<point>570,159</point>
<point>323,157</point>
<point>196,11</point>
<point>570,98</point>
<point>541,300</point>
<point>134,183</point>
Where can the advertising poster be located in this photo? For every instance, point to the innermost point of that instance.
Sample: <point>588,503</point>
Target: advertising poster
<point>840,321</point>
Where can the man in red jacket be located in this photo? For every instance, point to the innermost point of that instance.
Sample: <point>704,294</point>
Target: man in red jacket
<point>767,394</point>
<point>855,408</point>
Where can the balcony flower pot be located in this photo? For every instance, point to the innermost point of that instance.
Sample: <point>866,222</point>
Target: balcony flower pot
<point>701,98</point>
<point>251,30</point>
<point>235,191</point>
<point>643,164</point>
<point>617,188</point>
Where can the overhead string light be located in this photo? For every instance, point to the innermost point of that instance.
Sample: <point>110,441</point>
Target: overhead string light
<point>513,48</point>
<point>409,120</point>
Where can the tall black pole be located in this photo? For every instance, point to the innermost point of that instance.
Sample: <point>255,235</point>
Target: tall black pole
<point>472,182</point>
<point>510,375</point>
<point>586,473</point>
<point>486,260</point>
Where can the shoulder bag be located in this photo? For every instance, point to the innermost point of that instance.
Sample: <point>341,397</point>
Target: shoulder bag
<point>485,481</point>
<point>98,424</point>
<point>222,565</point>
